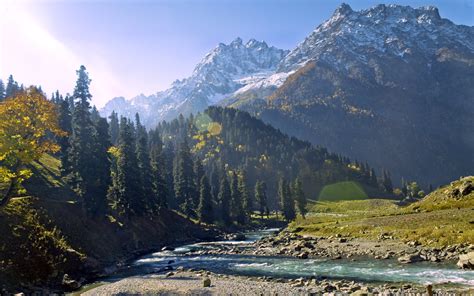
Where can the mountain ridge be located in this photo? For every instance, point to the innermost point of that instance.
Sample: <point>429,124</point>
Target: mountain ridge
<point>393,78</point>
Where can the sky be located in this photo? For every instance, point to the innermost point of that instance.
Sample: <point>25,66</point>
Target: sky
<point>137,46</point>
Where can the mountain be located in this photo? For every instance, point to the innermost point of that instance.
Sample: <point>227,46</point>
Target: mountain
<point>221,72</point>
<point>232,139</point>
<point>390,84</point>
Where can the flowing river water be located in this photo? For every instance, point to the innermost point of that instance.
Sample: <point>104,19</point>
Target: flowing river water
<point>367,270</point>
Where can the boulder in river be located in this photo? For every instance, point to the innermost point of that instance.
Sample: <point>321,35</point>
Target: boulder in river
<point>466,261</point>
<point>236,237</point>
<point>411,258</point>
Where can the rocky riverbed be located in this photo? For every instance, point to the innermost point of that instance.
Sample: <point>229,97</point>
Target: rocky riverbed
<point>338,247</point>
<point>200,282</point>
<point>169,272</point>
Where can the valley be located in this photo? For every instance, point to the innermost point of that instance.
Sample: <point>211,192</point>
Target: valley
<point>337,165</point>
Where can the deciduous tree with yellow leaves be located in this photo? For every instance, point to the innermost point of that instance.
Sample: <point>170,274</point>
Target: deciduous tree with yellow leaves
<point>27,123</point>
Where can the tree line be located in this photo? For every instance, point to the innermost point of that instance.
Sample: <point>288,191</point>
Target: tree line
<point>220,166</point>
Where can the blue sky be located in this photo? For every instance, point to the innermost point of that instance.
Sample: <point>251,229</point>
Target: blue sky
<point>132,47</point>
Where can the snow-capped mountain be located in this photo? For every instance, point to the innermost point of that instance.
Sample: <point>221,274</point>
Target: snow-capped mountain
<point>392,85</point>
<point>221,72</point>
<point>349,37</point>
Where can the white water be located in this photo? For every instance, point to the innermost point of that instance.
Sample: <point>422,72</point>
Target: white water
<point>369,270</point>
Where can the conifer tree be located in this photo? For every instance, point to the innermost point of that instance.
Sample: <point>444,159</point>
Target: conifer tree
<point>373,177</point>
<point>144,166</point>
<point>286,201</point>
<point>168,173</point>
<point>214,181</point>
<point>65,123</point>
<point>2,90</point>
<point>184,186</point>
<point>205,201</point>
<point>82,150</point>
<point>261,196</point>
<point>158,168</point>
<point>387,182</point>
<point>114,128</point>
<point>101,170</point>
<point>12,87</point>
<point>299,197</point>
<point>127,194</point>
<point>225,200</point>
<point>237,210</point>
<point>198,173</point>
<point>244,195</point>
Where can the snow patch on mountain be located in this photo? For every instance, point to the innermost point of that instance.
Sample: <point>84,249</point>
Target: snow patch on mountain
<point>224,70</point>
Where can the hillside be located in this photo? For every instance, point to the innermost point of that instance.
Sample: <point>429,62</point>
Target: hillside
<point>390,84</point>
<point>46,234</point>
<point>232,139</point>
<point>441,219</point>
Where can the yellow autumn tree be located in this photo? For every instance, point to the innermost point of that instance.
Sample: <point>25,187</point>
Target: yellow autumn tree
<point>28,122</point>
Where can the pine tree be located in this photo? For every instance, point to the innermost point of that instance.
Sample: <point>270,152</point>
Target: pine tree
<point>244,195</point>
<point>114,128</point>
<point>158,167</point>
<point>2,91</point>
<point>387,182</point>
<point>12,87</point>
<point>286,201</point>
<point>261,196</point>
<point>198,173</point>
<point>237,210</point>
<point>373,177</point>
<point>299,197</point>
<point>82,150</point>
<point>144,166</point>
<point>225,200</point>
<point>214,181</point>
<point>168,173</point>
<point>184,186</point>
<point>102,166</point>
<point>127,194</point>
<point>65,123</point>
<point>205,201</point>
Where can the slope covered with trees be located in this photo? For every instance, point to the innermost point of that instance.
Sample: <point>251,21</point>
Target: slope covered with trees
<point>82,191</point>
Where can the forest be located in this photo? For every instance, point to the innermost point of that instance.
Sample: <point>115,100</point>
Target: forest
<point>217,166</point>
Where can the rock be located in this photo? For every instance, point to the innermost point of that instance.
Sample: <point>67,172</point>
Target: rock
<point>429,290</point>
<point>466,261</point>
<point>343,240</point>
<point>466,188</point>
<point>206,282</point>
<point>236,237</point>
<point>412,258</point>
<point>70,284</point>
<point>303,255</point>
<point>169,274</point>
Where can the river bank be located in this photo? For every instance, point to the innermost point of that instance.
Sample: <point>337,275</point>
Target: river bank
<point>253,267</point>
<point>186,282</point>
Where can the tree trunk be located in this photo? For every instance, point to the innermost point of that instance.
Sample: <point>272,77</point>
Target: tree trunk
<point>6,198</point>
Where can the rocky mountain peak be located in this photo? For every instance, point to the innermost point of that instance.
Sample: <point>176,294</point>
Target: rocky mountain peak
<point>395,30</point>
<point>343,10</point>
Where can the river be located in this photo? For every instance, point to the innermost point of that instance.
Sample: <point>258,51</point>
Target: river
<point>366,270</point>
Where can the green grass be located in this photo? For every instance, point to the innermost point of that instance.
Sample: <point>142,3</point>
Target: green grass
<point>437,220</point>
<point>342,191</point>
